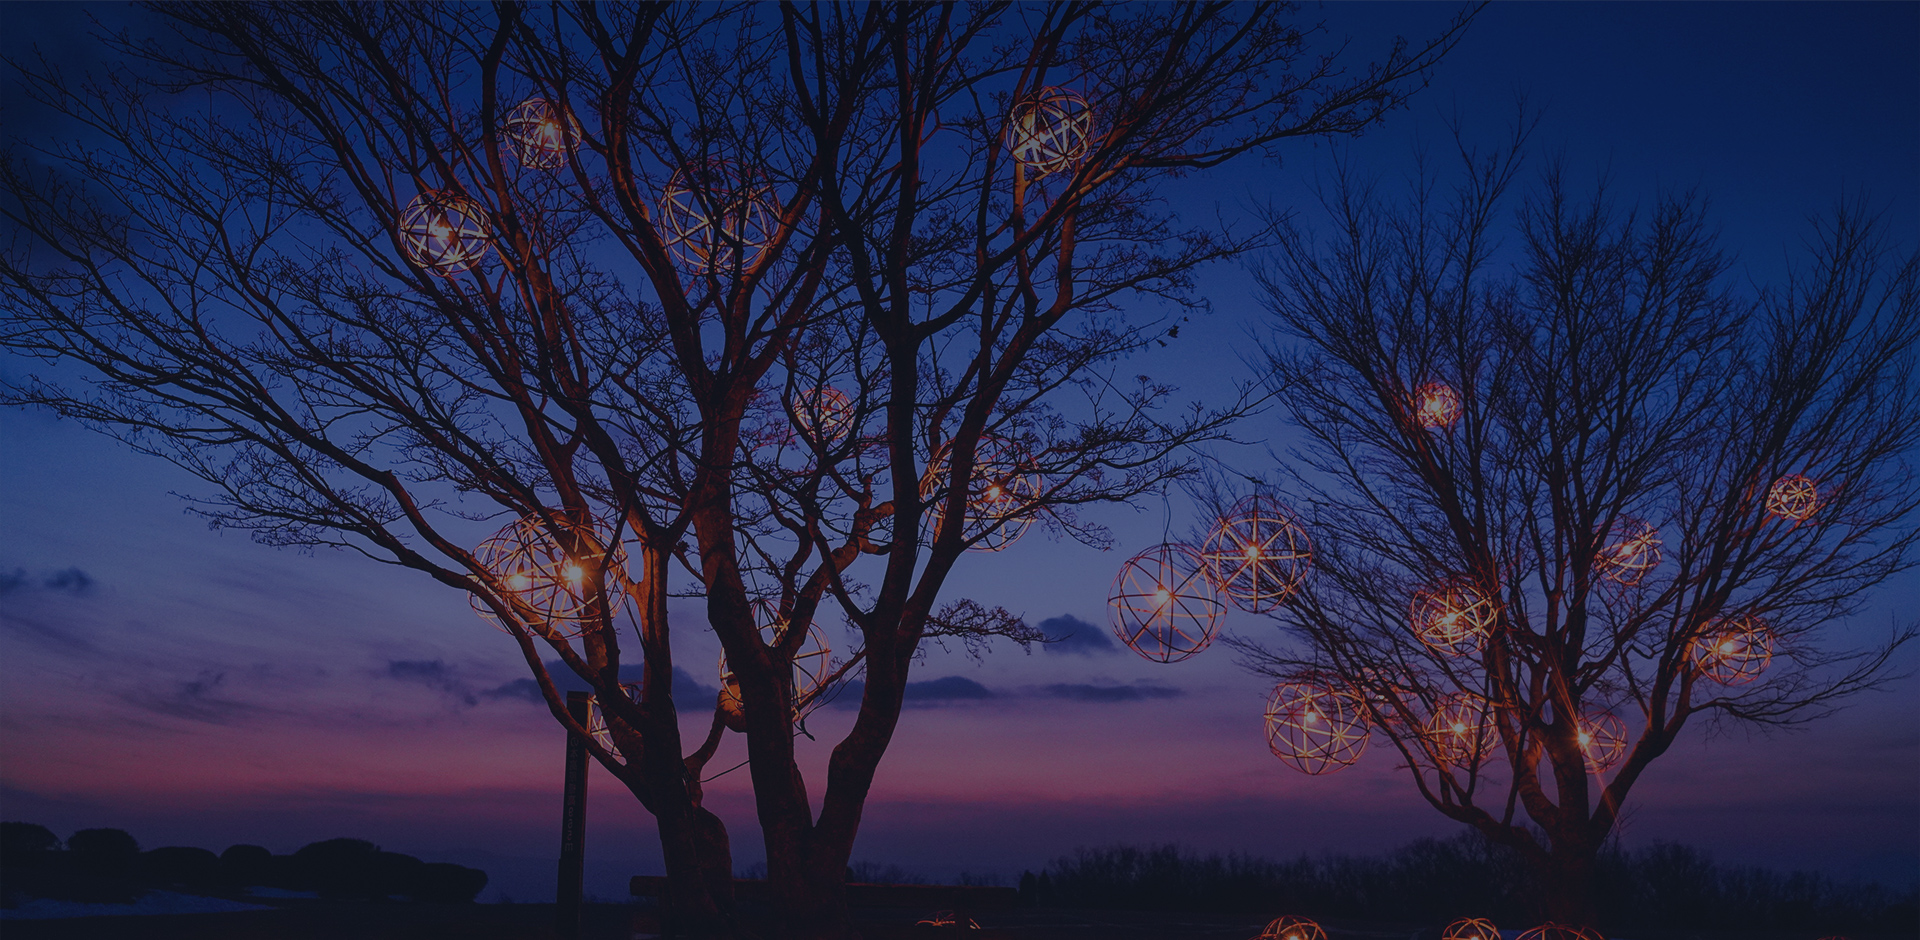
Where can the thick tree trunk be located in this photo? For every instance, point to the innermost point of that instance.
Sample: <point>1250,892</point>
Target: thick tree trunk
<point>1566,887</point>
<point>698,901</point>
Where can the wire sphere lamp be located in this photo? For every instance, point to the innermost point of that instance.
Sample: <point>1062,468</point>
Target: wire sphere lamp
<point>717,215</point>
<point>811,662</point>
<point>1436,405</point>
<point>1049,131</point>
<point>597,719</point>
<point>541,133</point>
<point>1164,608</point>
<point>999,493</point>
<point>1470,928</point>
<point>1603,740</point>
<point>824,415</point>
<point>555,581</point>
<point>1733,652</point>
<point>949,919</point>
<point>1794,498</point>
<point>1632,550</point>
<point>1460,730</point>
<point>1453,619</point>
<point>1316,728</point>
<point>1258,554</point>
<point>1554,931</point>
<point>1290,927</point>
<point>444,232</point>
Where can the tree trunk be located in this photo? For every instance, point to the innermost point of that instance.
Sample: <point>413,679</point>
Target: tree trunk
<point>1566,887</point>
<point>698,901</point>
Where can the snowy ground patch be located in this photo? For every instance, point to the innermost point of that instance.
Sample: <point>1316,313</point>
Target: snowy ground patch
<point>153,902</point>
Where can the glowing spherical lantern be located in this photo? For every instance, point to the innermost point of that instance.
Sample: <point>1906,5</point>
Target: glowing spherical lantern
<point>1290,927</point>
<point>824,415</point>
<point>999,493</point>
<point>1603,740</point>
<point>541,133</point>
<point>597,719</point>
<point>444,232</point>
<point>1470,928</point>
<point>1735,651</point>
<point>1257,554</point>
<point>811,668</point>
<point>1436,405</point>
<point>1315,727</point>
<point>1553,931</point>
<point>1632,550</point>
<point>1460,730</point>
<point>1454,619</point>
<point>949,920</point>
<point>1049,131</point>
<point>1164,608</point>
<point>718,215</point>
<point>1794,498</point>
<point>554,580</point>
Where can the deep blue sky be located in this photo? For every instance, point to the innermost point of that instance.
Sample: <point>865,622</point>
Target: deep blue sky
<point>195,688</point>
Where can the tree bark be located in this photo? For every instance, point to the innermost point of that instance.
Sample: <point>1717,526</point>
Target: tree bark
<point>1566,888</point>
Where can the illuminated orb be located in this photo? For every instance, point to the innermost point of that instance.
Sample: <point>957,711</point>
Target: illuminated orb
<point>1164,608</point>
<point>1470,928</point>
<point>1050,131</point>
<point>597,720</point>
<point>999,493</point>
<point>811,667</point>
<point>1603,740</point>
<point>1793,497</point>
<point>717,216</point>
<point>1258,554</point>
<point>541,133</point>
<point>444,232</point>
<point>824,415</point>
<point>1553,931</point>
<point>1733,652</point>
<point>1454,619</point>
<point>1436,405</point>
<point>949,919</point>
<point>1314,727</point>
<point>1290,927</point>
<point>552,582</point>
<point>1632,550</point>
<point>1459,732</point>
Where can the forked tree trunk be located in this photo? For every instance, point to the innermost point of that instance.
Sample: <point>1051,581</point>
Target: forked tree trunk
<point>698,901</point>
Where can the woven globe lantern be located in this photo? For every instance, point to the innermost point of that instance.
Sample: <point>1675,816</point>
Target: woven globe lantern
<point>541,133</point>
<point>717,216</point>
<point>1459,732</point>
<point>824,415</point>
<point>1603,740</point>
<point>1315,727</point>
<point>444,232</point>
<point>1454,619</point>
<point>949,920</point>
<point>810,670</point>
<point>1632,550</point>
<point>554,582</point>
<point>597,719</point>
<point>1733,652</point>
<point>1553,931</point>
<point>1049,131</point>
<point>1164,608</point>
<point>1470,928</point>
<point>999,492</point>
<point>1436,405</point>
<point>1257,554</point>
<point>1289,927</point>
<point>1794,498</point>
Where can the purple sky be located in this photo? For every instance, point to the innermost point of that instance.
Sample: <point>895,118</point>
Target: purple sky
<point>195,688</point>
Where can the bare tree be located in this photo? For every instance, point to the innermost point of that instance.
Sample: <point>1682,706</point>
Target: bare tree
<point>785,307</point>
<point>1568,491</point>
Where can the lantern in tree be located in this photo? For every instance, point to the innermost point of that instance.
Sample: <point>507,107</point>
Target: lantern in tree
<point>1164,608</point>
<point>1050,131</point>
<point>1553,931</point>
<point>1436,405</point>
<point>1290,927</point>
<point>1632,550</point>
<point>542,133</point>
<point>1603,740</point>
<point>554,580</point>
<point>1794,498</point>
<point>999,493</point>
<point>1454,618</point>
<point>597,719</point>
<point>1315,727</point>
<point>1257,555</point>
<point>950,920</point>
<point>1733,652</point>
<point>824,415</point>
<point>1470,928</point>
<point>444,232</point>
<point>717,216</point>
<point>811,668</point>
<point>1460,731</point>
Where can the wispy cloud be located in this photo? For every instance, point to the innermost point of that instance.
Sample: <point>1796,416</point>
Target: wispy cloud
<point>1085,692</point>
<point>688,692</point>
<point>434,674</point>
<point>1069,635</point>
<point>194,700</point>
<point>65,581</point>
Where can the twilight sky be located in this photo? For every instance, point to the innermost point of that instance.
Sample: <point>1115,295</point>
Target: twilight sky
<point>195,688</point>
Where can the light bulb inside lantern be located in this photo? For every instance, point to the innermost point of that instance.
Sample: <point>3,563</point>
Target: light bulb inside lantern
<point>573,573</point>
<point>1162,597</point>
<point>1585,739</point>
<point>1253,553</point>
<point>519,581</point>
<point>1726,646</point>
<point>1459,727</point>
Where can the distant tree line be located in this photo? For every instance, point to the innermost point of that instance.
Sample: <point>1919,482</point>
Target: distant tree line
<point>1661,887</point>
<point>106,866</point>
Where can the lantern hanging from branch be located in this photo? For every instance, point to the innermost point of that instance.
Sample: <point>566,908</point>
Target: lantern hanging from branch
<point>1470,928</point>
<point>1258,554</point>
<point>1603,740</point>
<point>718,216</point>
<point>1164,608</point>
<point>811,668</point>
<point>597,719</point>
<point>1460,730</point>
<point>1000,493</point>
<point>1455,618</point>
<point>1049,131</point>
<point>1436,405</point>
<point>1289,927</point>
<point>1632,550</point>
<point>541,133</point>
<point>1794,498</point>
<point>445,232</point>
<point>1553,931</point>
<point>1315,727</point>
<point>1734,651</point>
<point>556,582</point>
<point>824,415</point>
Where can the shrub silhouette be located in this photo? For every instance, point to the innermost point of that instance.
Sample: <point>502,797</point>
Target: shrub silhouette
<point>338,868</point>
<point>244,866</point>
<point>448,883</point>
<point>30,866</point>
<point>105,866</point>
<point>25,841</point>
<point>181,867</point>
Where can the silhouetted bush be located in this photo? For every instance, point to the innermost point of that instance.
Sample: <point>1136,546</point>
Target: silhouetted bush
<point>448,883</point>
<point>244,866</point>
<point>105,867</point>
<point>30,865</point>
<point>25,841</point>
<point>338,868</point>
<point>180,867</point>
